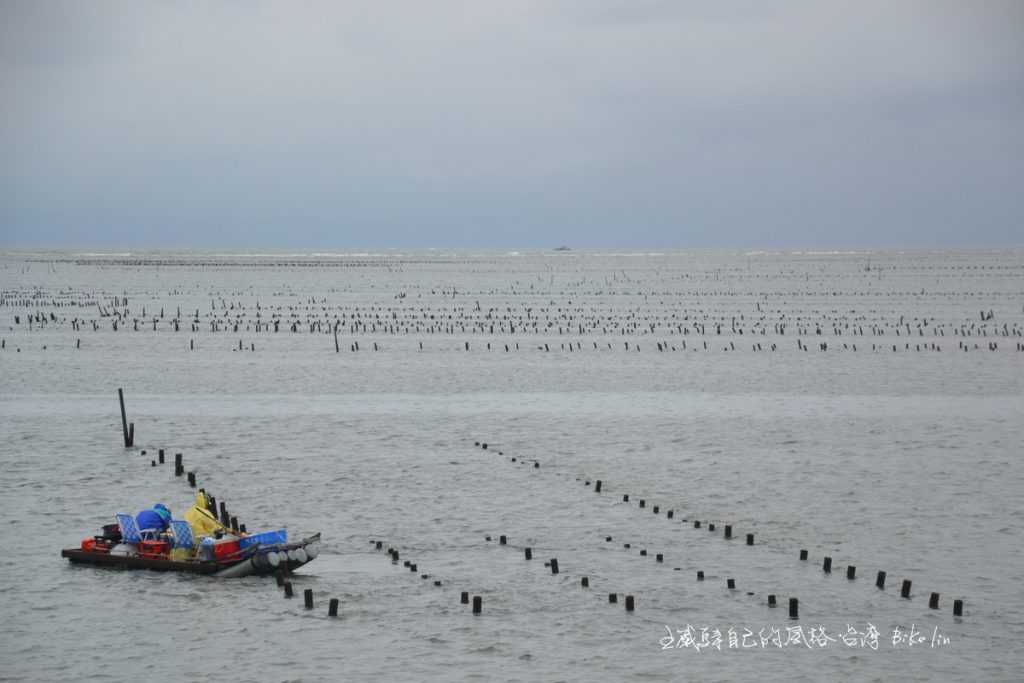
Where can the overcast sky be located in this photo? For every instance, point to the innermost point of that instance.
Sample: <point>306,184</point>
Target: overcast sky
<point>512,123</point>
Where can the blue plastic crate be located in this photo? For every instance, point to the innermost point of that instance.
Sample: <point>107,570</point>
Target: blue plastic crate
<point>278,537</point>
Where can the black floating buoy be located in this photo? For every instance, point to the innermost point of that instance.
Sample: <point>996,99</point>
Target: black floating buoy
<point>958,608</point>
<point>437,583</point>
<point>655,510</point>
<point>288,589</point>
<point>502,540</point>
<point>696,524</point>
<point>730,584</point>
<point>750,539</point>
<point>554,565</point>
<point>613,598</point>
<point>528,552</point>
<point>933,601</point>
<point>536,465</point>
<point>643,503</point>
<point>412,568</point>
<point>851,572</point>
<point>597,486</point>
<point>643,552</point>
<point>826,566</point>
<point>803,555</point>
<point>659,558</point>
<point>728,530</point>
<point>308,595</point>
<point>794,608</point>
<point>607,539</point>
<point>478,604</point>
<point>629,603</point>
<point>771,601</point>
<point>905,590</point>
<point>585,582</point>
<point>332,608</point>
<point>880,580</point>
<point>711,527</point>
<point>380,545</point>
<point>700,575</point>
<point>670,514</point>
<point>625,497</point>
<point>487,538</point>
<point>483,446</point>
<point>464,598</point>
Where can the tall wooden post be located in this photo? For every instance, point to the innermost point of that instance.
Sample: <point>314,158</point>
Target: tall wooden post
<point>124,419</point>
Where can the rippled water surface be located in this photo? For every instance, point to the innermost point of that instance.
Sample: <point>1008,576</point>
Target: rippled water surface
<point>904,459</point>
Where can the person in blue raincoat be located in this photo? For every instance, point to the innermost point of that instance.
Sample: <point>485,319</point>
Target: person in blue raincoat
<point>157,518</point>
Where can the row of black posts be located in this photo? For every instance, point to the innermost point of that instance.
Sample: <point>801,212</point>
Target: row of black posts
<point>662,346</point>
<point>933,601</point>
<point>307,595</point>
<point>851,574</point>
<point>477,601</point>
<point>630,601</point>
<point>851,570</point>
<point>395,556</point>
<point>613,598</point>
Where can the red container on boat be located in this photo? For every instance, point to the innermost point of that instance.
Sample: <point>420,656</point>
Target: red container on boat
<point>226,549</point>
<point>154,549</point>
<point>96,544</point>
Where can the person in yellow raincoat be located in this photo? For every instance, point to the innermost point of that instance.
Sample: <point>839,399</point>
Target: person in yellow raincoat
<point>203,522</point>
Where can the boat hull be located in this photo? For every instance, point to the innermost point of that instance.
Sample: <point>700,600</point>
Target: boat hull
<point>78,556</point>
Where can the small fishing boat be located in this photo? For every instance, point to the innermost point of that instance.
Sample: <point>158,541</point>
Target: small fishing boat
<point>257,559</point>
<point>198,544</point>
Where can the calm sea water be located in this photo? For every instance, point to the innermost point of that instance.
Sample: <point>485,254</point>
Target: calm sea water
<point>905,460</point>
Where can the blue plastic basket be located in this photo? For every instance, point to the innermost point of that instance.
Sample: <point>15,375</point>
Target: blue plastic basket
<point>279,537</point>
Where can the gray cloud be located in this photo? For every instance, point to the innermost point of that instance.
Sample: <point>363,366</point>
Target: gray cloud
<point>512,124</point>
